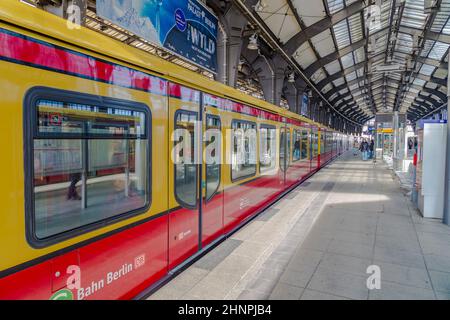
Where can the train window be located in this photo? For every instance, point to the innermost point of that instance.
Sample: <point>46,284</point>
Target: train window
<point>296,151</point>
<point>185,165</point>
<point>322,142</point>
<point>213,126</point>
<point>329,142</point>
<point>315,145</point>
<point>282,148</point>
<point>90,163</point>
<point>243,157</point>
<point>304,144</point>
<point>267,148</point>
<point>288,148</point>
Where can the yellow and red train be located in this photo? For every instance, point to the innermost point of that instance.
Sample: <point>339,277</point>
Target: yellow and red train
<point>92,205</point>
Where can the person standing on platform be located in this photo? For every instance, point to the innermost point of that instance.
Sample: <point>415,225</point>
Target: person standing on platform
<point>355,147</point>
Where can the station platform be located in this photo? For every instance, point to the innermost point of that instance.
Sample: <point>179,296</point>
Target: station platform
<point>318,241</point>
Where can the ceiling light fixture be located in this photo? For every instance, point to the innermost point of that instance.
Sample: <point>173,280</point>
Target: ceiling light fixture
<point>291,78</point>
<point>260,6</point>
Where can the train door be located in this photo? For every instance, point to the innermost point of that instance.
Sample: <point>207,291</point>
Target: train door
<point>314,149</point>
<point>305,150</point>
<point>211,213</point>
<point>284,151</point>
<point>184,173</point>
<point>291,166</point>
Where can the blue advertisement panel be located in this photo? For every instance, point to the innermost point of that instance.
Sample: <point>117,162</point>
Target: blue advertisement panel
<point>185,28</point>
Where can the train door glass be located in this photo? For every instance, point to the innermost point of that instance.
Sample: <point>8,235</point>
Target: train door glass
<point>285,147</point>
<point>315,145</point>
<point>267,149</point>
<point>185,164</point>
<point>288,147</point>
<point>304,144</point>
<point>184,182</point>
<point>211,214</point>
<point>296,150</point>
<point>213,147</point>
<point>322,142</point>
<point>243,162</point>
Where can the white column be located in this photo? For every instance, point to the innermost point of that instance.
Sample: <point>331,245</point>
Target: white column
<point>447,166</point>
<point>395,142</point>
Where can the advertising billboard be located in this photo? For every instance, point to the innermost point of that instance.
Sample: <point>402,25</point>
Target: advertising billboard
<point>186,28</point>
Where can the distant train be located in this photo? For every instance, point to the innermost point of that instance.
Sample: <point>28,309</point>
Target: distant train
<point>93,207</point>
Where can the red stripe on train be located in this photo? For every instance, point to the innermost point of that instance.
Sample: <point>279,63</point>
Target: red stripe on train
<point>45,55</point>
<point>52,57</point>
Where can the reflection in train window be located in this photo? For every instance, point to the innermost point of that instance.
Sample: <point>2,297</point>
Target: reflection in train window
<point>213,148</point>
<point>243,157</point>
<point>185,164</point>
<point>100,172</point>
<point>267,148</point>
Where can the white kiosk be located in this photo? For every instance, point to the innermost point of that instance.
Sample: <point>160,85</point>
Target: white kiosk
<point>430,177</point>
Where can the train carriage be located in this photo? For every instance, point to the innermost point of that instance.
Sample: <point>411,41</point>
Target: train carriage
<point>95,203</point>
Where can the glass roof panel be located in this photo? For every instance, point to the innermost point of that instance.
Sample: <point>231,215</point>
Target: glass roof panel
<point>438,51</point>
<point>335,5</point>
<point>341,33</point>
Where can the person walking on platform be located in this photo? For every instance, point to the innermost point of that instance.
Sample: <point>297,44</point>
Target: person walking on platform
<point>364,148</point>
<point>72,193</point>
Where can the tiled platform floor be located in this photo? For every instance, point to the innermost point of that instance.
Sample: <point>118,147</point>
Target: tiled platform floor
<point>318,243</point>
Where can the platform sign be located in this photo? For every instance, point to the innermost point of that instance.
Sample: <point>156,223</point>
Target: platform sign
<point>186,28</point>
<point>421,123</point>
<point>385,130</point>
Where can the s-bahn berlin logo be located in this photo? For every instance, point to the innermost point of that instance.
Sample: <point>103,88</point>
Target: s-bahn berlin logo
<point>64,294</point>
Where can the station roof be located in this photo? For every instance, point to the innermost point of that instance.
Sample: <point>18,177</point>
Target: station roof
<point>363,56</point>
